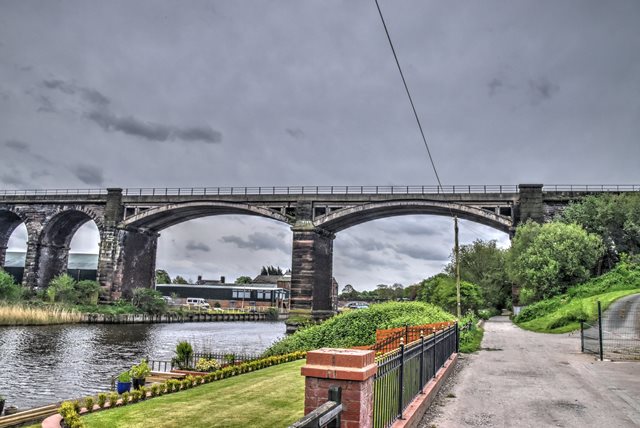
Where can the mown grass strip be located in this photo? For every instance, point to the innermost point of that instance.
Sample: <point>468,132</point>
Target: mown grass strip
<point>271,397</point>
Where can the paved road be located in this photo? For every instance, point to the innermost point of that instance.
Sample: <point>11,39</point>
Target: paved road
<point>524,379</point>
<point>621,326</point>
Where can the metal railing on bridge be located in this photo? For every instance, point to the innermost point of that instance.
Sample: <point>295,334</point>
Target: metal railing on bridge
<point>323,190</point>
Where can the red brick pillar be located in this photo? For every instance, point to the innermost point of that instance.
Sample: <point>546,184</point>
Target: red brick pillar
<point>351,369</point>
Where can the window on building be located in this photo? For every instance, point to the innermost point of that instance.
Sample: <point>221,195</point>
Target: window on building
<point>241,294</point>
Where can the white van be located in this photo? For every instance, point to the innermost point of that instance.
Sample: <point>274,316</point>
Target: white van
<point>197,302</point>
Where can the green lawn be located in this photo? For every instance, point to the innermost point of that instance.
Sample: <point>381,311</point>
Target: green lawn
<point>271,397</point>
<point>564,319</point>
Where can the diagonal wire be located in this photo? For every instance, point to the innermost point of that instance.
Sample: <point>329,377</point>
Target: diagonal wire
<point>413,107</point>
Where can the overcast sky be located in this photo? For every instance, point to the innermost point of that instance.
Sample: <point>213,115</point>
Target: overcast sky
<point>234,93</point>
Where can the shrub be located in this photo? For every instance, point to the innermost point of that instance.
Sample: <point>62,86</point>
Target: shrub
<point>87,292</point>
<point>125,398</point>
<point>66,409</point>
<point>113,399</point>
<point>207,365</point>
<point>88,403</point>
<point>61,289</point>
<point>9,290</point>
<point>356,328</point>
<point>143,392</point>
<point>155,390</point>
<point>149,301</point>
<point>184,353</point>
<point>102,399</point>
<point>135,396</point>
<point>76,406</point>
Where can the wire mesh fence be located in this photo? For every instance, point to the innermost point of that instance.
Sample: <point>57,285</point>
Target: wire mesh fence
<point>615,335</point>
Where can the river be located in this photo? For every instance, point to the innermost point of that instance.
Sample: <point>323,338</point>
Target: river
<point>40,365</point>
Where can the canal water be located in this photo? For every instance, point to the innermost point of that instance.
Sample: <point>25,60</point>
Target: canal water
<point>40,365</point>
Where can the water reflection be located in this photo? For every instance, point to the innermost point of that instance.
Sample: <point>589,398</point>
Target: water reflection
<point>40,365</point>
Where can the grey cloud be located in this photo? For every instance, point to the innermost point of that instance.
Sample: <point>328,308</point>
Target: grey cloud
<point>152,131</point>
<point>18,146</point>
<point>88,174</point>
<point>369,244</point>
<point>197,246</point>
<point>422,252</point>
<point>542,89</point>
<point>13,179</point>
<point>494,85</point>
<point>296,133</point>
<point>100,114</point>
<point>257,241</point>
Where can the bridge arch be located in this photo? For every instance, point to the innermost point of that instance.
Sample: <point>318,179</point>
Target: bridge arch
<point>157,219</point>
<point>9,221</point>
<point>342,219</point>
<point>54,241</point>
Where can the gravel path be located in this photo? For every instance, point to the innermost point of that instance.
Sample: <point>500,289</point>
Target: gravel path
<point>524,379</point>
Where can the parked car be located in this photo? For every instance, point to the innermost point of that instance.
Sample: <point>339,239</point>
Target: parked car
<point>197,302</point>
<point>169,301</point>
<point>357,305</point>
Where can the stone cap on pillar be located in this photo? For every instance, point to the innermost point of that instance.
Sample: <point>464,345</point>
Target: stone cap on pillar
<point>340,364</point>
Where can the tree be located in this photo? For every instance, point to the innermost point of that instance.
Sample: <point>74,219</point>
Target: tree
<point>615,218</point>
<point>547,259</point>
<point>162,277</point>
<point>243,280</point>
<point>441,290</point>
<point>180,280</point>
<point>484,264</point>
<point>270,270</point>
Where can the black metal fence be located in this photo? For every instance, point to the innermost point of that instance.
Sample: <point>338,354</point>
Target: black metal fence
<point>222,359</point>
<point>403,374</point>
<point>327,415</point>
<point>615,335</point>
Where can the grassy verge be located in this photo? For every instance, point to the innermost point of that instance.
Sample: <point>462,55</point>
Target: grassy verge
<point>567,318</point>
<point>470,340</point>
<point>271,397</point>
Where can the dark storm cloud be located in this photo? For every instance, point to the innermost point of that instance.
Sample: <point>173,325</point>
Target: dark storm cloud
<point>197,246</point>
<point>257,241</point>
<point>422,252</point>
<point>90,175</point>
<point>17,145</point>
<point>100,114</point>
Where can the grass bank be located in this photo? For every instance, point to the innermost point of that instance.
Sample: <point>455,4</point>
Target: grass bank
<point>271,397</point>
<point>567,318</point>
<point>29,315</point>
<point>563,313</point>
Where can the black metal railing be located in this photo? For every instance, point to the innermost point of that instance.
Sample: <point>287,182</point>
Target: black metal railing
<point>403,374</point>
<point>222,359</point>
<point>591,188</point>
<point>327,415</point>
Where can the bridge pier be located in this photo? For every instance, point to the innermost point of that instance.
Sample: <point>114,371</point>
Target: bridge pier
<point>133,261</point>
<point>52,261</point>
<point>312,271</point>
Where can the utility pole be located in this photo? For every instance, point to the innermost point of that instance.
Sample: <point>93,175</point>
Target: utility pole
<point>456,251</point>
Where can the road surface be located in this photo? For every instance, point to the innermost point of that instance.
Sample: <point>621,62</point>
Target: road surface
<point>621,326</point>
<point>525,379</point>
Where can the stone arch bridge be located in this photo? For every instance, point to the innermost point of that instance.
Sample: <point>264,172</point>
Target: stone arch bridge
<point>130,220</point>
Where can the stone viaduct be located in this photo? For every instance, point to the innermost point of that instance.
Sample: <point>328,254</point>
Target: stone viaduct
<point>130,220</point>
